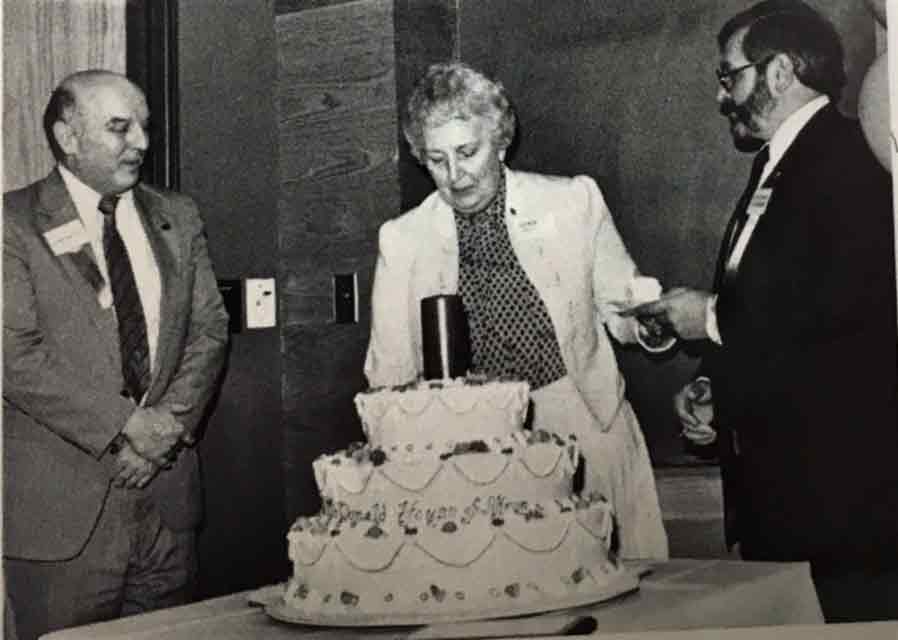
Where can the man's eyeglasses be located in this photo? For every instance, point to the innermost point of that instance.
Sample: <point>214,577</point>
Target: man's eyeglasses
<point>728,78</point>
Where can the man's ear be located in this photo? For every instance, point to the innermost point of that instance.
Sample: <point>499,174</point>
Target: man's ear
<point>65,137</point>
<point>781,72</point>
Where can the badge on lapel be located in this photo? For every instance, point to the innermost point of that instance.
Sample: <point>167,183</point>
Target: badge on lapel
<point>532,227</point>
<point>66,238</point>
<point>70,239</point>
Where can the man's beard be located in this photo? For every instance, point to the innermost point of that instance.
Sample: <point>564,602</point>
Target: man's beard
<point>758,104</point>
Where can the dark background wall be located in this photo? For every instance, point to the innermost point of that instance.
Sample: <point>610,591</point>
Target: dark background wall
<point>229,159</point>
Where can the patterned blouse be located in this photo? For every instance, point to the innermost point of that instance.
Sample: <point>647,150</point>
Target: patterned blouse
<point>511,332</point>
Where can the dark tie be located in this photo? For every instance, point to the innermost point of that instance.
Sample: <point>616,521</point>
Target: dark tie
<point>741,213</point>
<point>132,326</point>
<point>739,218</point>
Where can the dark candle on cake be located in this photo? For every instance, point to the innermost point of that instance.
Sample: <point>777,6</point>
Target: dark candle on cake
<point>444,336</point>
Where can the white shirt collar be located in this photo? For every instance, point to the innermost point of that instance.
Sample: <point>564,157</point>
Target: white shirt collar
<point>790,128</point>
<point>86,200</point>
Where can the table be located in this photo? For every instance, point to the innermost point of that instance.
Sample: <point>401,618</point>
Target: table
<point>675,595</point>
<point>855,631</point>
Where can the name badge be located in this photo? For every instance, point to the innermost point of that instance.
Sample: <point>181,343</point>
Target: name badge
<point>67,238</point>
<point>759,202</point>
<point>535,227</point>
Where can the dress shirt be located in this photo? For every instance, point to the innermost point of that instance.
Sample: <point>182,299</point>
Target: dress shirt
<point>780,142</point>
<point>130,227</point>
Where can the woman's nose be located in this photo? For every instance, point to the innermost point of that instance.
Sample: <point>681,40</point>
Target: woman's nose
<point>453,170</point>
<point>456,172</point>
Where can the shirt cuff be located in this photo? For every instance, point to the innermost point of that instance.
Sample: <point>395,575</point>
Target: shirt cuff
<point>117,444</point>
<point>711,327</point>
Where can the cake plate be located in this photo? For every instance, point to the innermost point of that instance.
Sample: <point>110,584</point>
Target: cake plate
<point>623,583</point>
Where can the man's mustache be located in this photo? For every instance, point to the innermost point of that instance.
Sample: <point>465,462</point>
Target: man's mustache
<point>136,158</point>
<point>729,108</point>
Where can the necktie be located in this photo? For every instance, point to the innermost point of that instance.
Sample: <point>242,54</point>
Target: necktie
<point>741,213</point>
<point>132,326</point>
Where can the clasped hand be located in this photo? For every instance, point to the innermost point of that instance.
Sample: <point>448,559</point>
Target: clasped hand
<point>152,437</point>
<point>155,434</point>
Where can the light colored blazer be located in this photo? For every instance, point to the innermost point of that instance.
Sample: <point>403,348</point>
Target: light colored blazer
<point>566,241</point>
<point>62,381</point>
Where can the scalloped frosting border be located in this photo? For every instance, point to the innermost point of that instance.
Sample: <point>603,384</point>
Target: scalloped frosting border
<point>423,467</point>
<point>308,547</point>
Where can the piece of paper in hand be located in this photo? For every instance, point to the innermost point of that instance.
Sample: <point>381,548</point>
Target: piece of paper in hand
<point>644,289</point>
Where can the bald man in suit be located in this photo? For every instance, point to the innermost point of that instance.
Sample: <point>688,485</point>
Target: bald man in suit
<point>114,337</point>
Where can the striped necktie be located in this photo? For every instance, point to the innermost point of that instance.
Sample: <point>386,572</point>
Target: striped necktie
<point>132,325</point>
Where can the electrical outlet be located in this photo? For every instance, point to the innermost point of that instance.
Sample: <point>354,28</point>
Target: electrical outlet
<point>261,303</point>
<point>346,298</point>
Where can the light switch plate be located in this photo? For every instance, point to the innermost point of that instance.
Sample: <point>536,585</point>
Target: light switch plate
<point>261,303</point>
<point>346,298</point>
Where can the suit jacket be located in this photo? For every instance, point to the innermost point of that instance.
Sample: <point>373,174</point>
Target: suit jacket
<point>62,380</point>
<point>565,239</point>
<point>805,382</point>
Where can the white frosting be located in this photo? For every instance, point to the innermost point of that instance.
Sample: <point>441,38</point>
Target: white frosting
<point>517,467</point>
<point>452,570</point>
<point>438,411</point>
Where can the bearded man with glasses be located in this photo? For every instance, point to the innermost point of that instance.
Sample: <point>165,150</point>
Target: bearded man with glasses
<point>797,388</point>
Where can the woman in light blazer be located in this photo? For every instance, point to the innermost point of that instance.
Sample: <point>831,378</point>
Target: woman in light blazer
<point>541,270</point>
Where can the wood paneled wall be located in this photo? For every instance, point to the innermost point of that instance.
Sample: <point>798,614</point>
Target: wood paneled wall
<point>44,41</point>
<point>336,103</point>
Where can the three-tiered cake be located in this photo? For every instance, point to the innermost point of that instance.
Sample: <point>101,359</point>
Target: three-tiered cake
<point>450,511</point>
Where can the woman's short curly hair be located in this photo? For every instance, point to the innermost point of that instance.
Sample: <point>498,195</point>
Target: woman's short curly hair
<point>455,90</point>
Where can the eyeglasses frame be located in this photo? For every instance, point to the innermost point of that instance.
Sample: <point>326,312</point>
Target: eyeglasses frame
<point>725,78</point>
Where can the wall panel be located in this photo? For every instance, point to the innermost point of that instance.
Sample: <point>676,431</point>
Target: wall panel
<point>337,162</point>
<point>228,158</point>
<point>44,41</point>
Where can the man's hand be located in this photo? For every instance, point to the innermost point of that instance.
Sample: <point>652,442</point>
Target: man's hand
<point>684,310</point>
<point>132,471</point>
<point>188,439</point>
<point>695,408</point>
<point>155,435</point>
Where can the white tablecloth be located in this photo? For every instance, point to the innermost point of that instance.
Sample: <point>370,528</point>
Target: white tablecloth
<point>676,595</point>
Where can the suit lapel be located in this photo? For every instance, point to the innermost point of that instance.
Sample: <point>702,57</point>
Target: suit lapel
<point>164,245</point>
<point>811,143</point>
<point>814,140</point>
<point>535,239</point>
<point>55,209</point>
